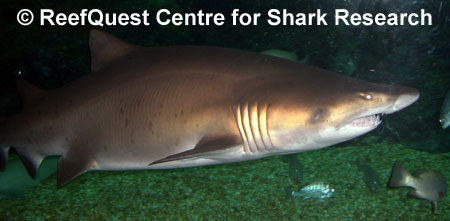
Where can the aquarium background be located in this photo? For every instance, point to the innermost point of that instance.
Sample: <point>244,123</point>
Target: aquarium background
<point>417,56</point>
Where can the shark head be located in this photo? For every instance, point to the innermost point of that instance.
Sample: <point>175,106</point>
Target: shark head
<point>316,116</point>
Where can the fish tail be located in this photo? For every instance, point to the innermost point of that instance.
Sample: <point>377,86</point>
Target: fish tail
<point>399,176</point>
<point>434,207</point>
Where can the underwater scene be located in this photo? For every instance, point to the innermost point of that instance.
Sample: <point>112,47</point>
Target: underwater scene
<point>225,110</point>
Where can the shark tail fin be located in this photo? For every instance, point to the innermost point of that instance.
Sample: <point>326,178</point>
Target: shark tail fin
<point>399,176</point>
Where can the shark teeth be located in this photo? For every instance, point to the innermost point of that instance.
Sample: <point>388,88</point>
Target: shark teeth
<point>368,121</point>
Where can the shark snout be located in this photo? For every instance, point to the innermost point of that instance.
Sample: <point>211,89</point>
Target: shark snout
<point>405,97</point>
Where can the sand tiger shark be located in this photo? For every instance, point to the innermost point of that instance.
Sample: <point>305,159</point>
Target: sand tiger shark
<point>186,106</point>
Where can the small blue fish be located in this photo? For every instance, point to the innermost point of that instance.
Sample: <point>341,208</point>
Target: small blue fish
<point>317,190</point>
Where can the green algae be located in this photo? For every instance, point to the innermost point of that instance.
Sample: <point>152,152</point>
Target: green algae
<point>246,190</point>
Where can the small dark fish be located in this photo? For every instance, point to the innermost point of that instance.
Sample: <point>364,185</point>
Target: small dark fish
<point>428,185</point>
<point>370,176</point>
<point>295,167</point>
<point>444,118</point>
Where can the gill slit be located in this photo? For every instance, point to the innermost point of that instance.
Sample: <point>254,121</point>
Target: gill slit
<point>264,127</point>
<point>252,123</point>
<point>247,128</point>
<point>238,118</point>
<point>254,126</point>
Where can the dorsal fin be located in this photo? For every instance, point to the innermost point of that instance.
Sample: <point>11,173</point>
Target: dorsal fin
<point>105,48</point>
<point>29,93</point>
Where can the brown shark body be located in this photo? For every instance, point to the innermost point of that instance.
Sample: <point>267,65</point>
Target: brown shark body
<point>184,106</point>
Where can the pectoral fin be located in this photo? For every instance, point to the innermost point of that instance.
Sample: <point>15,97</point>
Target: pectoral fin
<point>206,147</point>
<point>73,165</point>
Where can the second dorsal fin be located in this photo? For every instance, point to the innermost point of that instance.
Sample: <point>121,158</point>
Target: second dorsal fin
<point>105,48</point>
<point>29,93</point>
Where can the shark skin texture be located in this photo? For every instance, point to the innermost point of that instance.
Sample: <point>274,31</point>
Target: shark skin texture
<point>185,106</point>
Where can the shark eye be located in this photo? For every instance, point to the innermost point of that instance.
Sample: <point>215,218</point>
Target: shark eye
<point>318,115</point>
<point>366,96</point>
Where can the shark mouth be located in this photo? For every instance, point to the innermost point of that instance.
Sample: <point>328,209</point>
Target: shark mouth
<point>367,121</point>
